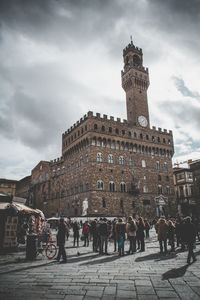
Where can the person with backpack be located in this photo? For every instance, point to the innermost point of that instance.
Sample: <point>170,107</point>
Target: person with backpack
<point>131,229</point>
<point>86,234</point>
<point>120,229</point>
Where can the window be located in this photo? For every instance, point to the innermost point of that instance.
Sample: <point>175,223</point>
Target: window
<point>110,129</point>
<point>159,189</point>
<point>143,163</point>
<point>86,158</point>
<point>58,171</point>
<point>145,189</point>
<point>103,128</point>
<point>157,165</point>
<point>81,188</point>
<point>167,178</point>
<point>100,185</point>
<point>135,134</point>
<point>158,139</point>
<point>146,202</point>
<point>110,159</point>
<point>95,126</point>
<point>77,164</point>
<point>103,202</point>
<point>147,137</point>
<point>141,136</point>
<point>40,179</point>
<point>99,157</point>
<point>165,166</point>
<point>159,177</point>
<point>86,186</point>
<point>111,186</point>
<point>153,138</point>
<point>62,193</point>
<point>46,176</point>
<point>117,131</point>
<point>122,187</point>
<point>123,132</point>
<point>121,160</point>
<point>63,170</point>
<point>168,191</point>
<point>164,141</point>
<point>129,133</point>
<point>81,161</point>
<point>131,162</point>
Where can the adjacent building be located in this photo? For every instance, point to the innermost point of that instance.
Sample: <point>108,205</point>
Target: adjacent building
<point>109,166</point>
<point>187,188</point>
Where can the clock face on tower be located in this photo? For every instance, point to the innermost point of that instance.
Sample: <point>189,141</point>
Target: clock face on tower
<point>142,121</point>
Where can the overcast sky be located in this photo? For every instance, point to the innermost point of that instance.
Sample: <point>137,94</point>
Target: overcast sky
<point>60,59</point>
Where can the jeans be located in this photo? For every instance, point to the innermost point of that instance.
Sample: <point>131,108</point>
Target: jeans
<point>163,242</point>
<point>104,240</point>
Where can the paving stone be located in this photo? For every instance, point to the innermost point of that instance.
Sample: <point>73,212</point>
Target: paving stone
<point>145,290</point>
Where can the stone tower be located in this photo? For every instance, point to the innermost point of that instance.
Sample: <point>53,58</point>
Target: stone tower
<point>135,82</point>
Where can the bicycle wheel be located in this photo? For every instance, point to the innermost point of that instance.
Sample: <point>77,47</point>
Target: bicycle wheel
<point>51,251</point>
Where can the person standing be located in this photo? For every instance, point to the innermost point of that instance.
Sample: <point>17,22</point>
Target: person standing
<point>76,228</point>
<point>61,241</point>
<point>131,229</point>
<point>189,237</point>
<point>162,232</point>
<point>140,233</point>
<point>120,228</point>
<point>147,228</point>
<point>86,234</point>
<point>103,230</point>
<point>171,235</point>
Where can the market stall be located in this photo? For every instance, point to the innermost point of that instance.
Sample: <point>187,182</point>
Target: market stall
<point>16,220</point>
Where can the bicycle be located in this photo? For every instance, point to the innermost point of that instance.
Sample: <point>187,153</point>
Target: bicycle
<point>48,248</point>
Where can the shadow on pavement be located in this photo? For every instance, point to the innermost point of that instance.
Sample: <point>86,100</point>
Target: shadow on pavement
<point>156,256</point>
<point>174,273</point>
<point>102,260</point>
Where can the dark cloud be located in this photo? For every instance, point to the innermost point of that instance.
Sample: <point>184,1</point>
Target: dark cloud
<point>183,89</point>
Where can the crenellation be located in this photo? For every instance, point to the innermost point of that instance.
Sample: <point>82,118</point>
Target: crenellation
<point>119,120</point>
<point>112,118</point>
<point>165,130</point>
<point>90,113</point>
<point>105,117</point>
<point>154,128</point>
<point>159,129</point>
<point>98,115</point>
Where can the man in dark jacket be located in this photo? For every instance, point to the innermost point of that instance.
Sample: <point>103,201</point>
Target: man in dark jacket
<point>61,240</point>
<point>189,237</point>
<point>103,231</point>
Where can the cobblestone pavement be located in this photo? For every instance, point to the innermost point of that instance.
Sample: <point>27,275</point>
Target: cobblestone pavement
<point>144,275</point>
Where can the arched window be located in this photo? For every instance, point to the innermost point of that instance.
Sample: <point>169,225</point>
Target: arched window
<point>40,179</point>
<point>110,159</point>
<point>159,189</point>
<point>58,171</point>
<point>159,177</point>
<point>131,162</point>
<point>46,176</point>
<point>165,166</point>
<point>143,163</point>
<point>81,161</point>
<point>100,185</point>
<point>157,165</point>
<point>121,160</point>
<point>86,158</point>
<point>99,157</point>
<point>111,186</point>
<point>168,190</point>
<point>122,187</point>
<point>103,128</point>
<point>145,189</point>
<point>95,126</point>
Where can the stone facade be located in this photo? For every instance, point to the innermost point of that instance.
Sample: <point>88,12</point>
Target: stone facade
<point>111,166</point>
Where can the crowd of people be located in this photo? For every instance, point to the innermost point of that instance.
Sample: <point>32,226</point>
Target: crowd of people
<point>179,232</point>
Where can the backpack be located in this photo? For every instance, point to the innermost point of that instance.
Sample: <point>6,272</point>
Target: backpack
<point>86,229</point>
<point>132,227</point>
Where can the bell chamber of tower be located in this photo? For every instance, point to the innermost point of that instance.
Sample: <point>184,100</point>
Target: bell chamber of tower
<point>135,82</point>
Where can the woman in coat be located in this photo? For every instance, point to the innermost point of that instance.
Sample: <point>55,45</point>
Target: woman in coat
<point>162,231</point>
<point>140,233</point>
<point>131,229</point>
<point>61,241</point>
<point>171,235</point>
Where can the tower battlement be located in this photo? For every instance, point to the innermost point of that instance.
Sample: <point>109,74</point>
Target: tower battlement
<point>132,47</point>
